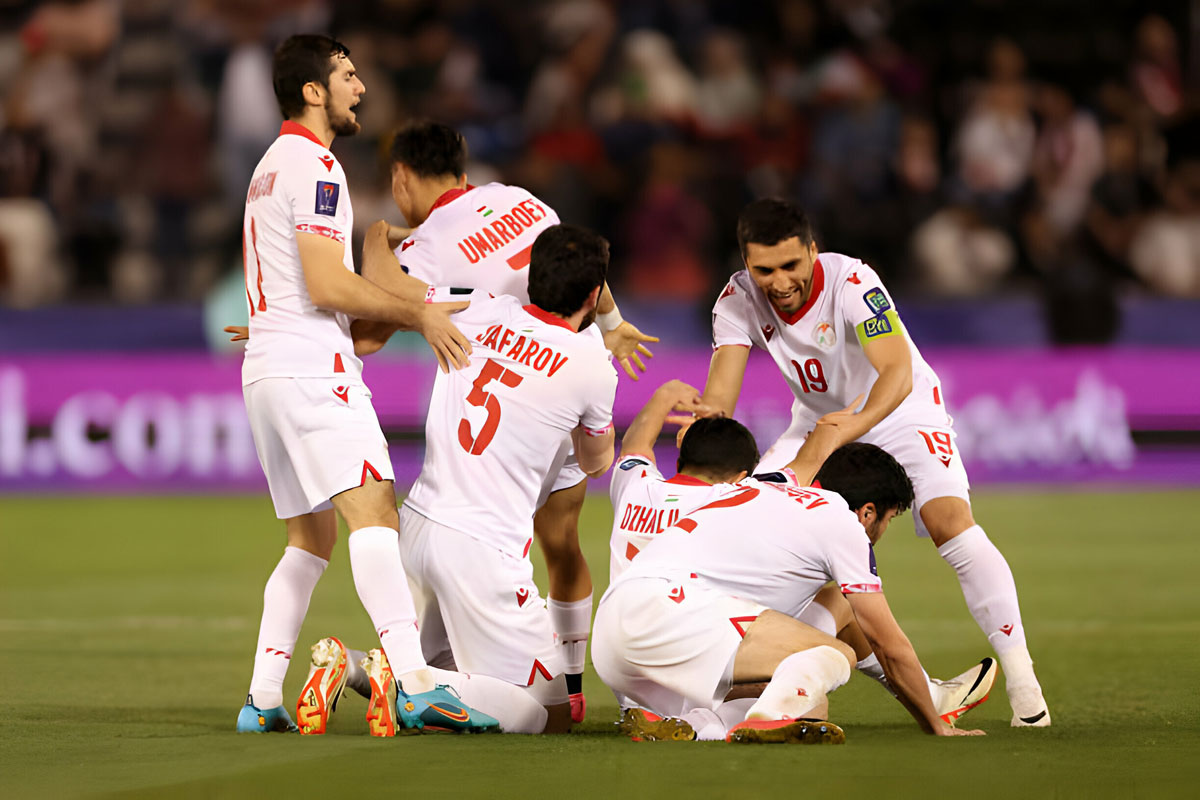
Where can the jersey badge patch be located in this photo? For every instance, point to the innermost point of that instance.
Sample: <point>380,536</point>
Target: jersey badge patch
<point>327,160</point>
<point>825,336</point>
<point>876,300</point>
<point>768,331</point>
<point>630,463</point>
<point>876,326</point>
<point>327,198</point>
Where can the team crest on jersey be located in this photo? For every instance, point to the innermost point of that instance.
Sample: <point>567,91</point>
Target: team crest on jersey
<point>327,198</point>
<point>768,331</point>
<point>825,336</point>
<point>876,300</point>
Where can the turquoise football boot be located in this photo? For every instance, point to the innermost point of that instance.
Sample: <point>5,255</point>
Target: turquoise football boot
<point>252,719</point>
<point>441,710</point>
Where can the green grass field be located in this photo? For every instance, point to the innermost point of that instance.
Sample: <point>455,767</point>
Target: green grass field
<point>127,628</point>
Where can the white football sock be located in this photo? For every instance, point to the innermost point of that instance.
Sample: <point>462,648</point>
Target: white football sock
<point>991,595</point>
<point>572,622</point>
<point>512,706</point>
<point>383,590</point>
<point>732,712</point>
<point>800,683</point>
<point>706,723</point>
<point>285,602</point>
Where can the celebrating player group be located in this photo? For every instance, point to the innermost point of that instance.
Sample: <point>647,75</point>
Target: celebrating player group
<point>743,589</point>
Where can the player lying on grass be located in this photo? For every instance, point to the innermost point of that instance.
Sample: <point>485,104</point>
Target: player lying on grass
<point>481,237</point>
<point>712,602</point>
<point>715,453</point>
<point>833,331</point>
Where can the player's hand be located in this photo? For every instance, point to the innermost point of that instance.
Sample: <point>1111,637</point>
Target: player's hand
<point>241,333</point>
<point>842,417</point>
<point>625,342</point>
<point>449,344</point>
<point>945,730</point>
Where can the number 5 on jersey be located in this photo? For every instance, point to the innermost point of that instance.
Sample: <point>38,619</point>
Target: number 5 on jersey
<point>478,397</point>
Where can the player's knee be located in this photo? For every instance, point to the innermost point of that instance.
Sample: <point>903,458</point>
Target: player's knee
<point>846,650</point>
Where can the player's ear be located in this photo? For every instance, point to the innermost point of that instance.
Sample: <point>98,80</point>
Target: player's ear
<point>314,93</point>
<point>866,514</point>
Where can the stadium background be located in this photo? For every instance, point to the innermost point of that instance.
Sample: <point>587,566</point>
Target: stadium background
<point>1025,177</point>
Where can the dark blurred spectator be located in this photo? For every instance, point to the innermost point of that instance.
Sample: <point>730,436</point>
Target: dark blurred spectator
<point>1165,253</point>
<point>1120,200</point>
<point>729,92</point>
<point>1156,74</point>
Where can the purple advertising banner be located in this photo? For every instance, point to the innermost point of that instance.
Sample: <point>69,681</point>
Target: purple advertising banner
<point>119,422</point>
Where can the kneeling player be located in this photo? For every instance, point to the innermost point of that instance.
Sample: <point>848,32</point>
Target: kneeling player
<point>713,602</point>
<point>493,432</point>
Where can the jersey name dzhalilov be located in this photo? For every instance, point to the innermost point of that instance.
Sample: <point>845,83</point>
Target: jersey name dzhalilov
<point>819,348</point>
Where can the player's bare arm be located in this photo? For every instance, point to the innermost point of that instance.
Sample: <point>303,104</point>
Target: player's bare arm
<point>892,359</point>
<point>827,436</point>
<point>380,267</point>
<point>594,449</point>
<point>622,338</point>
<point>724,385</point>
<point>899,661</point>
<point>672,397</point>
<point>331,286</point>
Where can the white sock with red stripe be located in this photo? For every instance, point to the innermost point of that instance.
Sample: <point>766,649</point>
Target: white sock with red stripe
<point>572,623</point>
<point>285,602</point>
<point>512,706</point>
<point>800,683</point>
<point>383,589</point>
<point>991,595</point>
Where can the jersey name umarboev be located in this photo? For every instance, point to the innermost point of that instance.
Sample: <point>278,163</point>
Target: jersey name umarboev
<point>298,188</point>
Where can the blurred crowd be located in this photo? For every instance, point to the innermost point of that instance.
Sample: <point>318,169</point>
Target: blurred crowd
<point>960,148</point>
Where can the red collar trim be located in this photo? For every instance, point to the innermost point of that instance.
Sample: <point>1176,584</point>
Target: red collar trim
<point>546,316</point>
<point>448,195</point>
<point>686,480</point>
<point>296,129</point>
<point>818,285</point>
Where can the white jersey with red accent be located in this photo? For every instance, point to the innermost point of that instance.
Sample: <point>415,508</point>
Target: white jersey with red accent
<point>819,348</point>
<point>769,543</point>
<point>298,187</point>
<point>645,504</point>
<point>478,238</point>
<point>494,427</point>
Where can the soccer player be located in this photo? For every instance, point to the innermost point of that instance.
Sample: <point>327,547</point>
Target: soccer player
<point>715,453</point>
<point>481,237</point>
<point>316,434</point>
<point>834,333</point>
<point>712,602</point>
<point>492,435</point>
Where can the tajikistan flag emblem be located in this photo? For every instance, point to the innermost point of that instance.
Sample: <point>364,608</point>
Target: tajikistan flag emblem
<point>484,210</point>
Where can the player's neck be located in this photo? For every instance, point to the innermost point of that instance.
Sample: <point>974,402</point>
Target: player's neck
<point>315,120</point>
<point>430,190</point>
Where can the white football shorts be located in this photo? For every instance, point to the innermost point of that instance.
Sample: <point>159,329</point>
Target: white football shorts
<point>669,646</point>
<point>478,608</point>
<point>315,437</point>
<point>928,453</point>
<point>564,472</point>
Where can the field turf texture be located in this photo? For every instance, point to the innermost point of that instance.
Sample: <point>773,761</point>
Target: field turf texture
<point>127,629</point>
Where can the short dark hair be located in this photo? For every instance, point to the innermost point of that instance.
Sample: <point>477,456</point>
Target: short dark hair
<point>430,149</point>
<point>717,446</point>
<point>770,221</point>
<point>567,262</point>
<point>863,473</point>
<point>303,58</point>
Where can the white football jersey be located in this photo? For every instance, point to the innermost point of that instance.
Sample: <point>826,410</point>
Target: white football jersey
<point>769,543</point>
<point>478,238</point>
<point>645,504</point>
<point>298,187</point>
<point>494,428</point>
<point>819,349</point>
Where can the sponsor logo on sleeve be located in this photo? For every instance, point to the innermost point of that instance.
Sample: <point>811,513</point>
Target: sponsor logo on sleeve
<point>327,198</point>
<point>876,300</point>
<point>876,326</point>
<point>327,160</point>
<point>630,463</point>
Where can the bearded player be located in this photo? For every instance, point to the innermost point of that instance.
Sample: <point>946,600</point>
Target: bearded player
<point>834,333</point>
